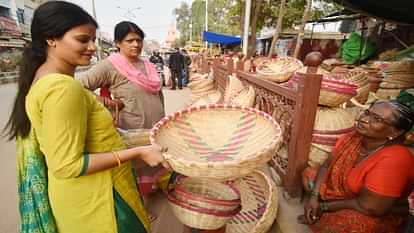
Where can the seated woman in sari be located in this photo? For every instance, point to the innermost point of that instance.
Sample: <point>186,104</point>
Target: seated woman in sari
<point>364,186</point>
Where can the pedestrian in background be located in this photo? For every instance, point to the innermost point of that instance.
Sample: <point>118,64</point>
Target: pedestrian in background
<point>131,79</point>
<point>176,64</point>
<point>74,171</point>
<point>186,65</point>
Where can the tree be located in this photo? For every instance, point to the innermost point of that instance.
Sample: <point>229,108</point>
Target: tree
<point>183,23</point>
<point>227,16</point>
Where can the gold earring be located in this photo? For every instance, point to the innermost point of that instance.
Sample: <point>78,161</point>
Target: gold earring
<point>51,43</point>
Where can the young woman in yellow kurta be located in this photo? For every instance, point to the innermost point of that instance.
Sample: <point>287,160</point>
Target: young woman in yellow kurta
<point>90,184</point>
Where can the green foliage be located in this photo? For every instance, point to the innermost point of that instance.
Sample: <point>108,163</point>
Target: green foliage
<point>226,16</point>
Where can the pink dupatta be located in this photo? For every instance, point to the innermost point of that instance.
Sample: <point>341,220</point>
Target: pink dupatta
<point>150,82</point>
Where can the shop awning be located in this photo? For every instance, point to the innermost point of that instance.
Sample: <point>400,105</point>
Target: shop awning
<point>395,10</point>
<point>222,39</point>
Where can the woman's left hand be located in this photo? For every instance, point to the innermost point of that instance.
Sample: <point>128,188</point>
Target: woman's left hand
<point>312,210</point>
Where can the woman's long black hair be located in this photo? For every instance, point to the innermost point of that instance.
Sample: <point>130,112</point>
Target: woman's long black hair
<point>50,20</point>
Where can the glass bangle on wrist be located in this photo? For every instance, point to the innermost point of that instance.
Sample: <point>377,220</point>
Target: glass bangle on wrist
<point>324,206</point>
<point>314,193</point>
<point>118,159</point>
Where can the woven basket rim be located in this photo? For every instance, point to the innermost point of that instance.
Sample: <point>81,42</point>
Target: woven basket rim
<point>216,213</point>
<point>179,190</point>
<point>271,198</point>
<point>220,164</point>
<point>333,132</point>
<point>281,58</point>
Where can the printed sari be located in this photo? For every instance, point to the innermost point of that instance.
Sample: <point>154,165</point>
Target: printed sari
<point>335,187</point>
<point>35,211</point>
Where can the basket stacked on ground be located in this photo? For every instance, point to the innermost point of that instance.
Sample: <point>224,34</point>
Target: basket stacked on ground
<point>218,142</point>
<point>278,69</point>
<point>259,199</point>
<point>238,94</point>
<point>210,98</point>
<point>398,76</point>
<point>204,204</point>
<point>202,86</point>
<point>330,124</point>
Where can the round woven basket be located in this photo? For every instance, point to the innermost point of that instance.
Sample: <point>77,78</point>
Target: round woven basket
<point>196,96</point>
<point>246,98</point>
<point>330,124</point>
<point>363,93</point>
<point>335,92</point>
<point>200,218</point>
<point>200,84</point>
<point>197,76</point>
<point>259,196</point>
<point>219,142</point>
<point>234,88</point>
<point>210,98</point>
<point>279,69</point>
<point>207,194</point>
<point>317,155</point>
<point>203,90</point>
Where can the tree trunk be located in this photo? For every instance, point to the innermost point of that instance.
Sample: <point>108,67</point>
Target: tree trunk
<point>278,27</point>
<point>252,40</point>
<point>301,33</point>
<point>242,6</point>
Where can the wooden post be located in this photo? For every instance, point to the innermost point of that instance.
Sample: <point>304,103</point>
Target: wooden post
<point>205,66</point>
<point>230,66</point>
<point>278,27</point>
<point>216,63</point>
<point>301,33</point>
<point>309,85</point>
<point>240,65</point>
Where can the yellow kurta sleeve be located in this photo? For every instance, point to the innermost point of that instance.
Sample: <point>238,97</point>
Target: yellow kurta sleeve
<point>64,114</point>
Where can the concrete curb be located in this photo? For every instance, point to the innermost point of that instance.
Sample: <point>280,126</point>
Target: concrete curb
<point>10,79</point>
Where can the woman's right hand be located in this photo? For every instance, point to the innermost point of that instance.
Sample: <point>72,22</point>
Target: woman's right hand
<point>152,155</point>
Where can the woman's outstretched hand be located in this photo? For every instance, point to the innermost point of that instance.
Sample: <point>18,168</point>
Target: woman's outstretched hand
<point>152,155</point>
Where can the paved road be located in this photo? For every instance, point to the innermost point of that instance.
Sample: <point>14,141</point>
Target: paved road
<point>8,190</point>
<point>175,100</point>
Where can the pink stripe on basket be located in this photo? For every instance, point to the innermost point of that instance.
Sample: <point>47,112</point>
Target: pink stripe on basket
<point>338,81</point>
<point>249,216</point>
<point>243,217</point>
<point>187,206</point>
<point>181,192</point>
<point>324,140</point>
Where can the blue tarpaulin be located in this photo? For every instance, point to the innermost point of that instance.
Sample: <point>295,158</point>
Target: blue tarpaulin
<point>216,38</point>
